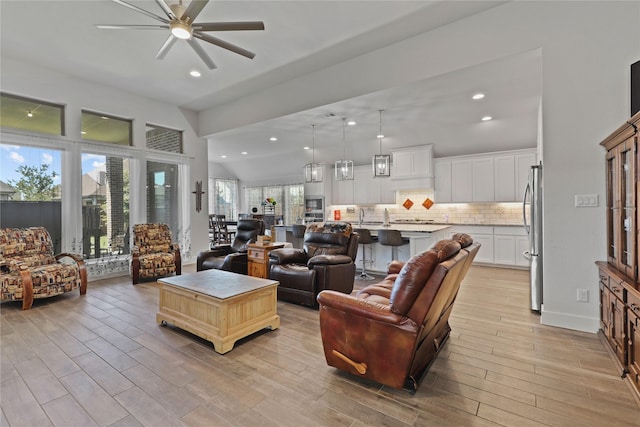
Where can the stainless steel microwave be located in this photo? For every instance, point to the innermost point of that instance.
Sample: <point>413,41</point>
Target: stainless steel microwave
<point>314,204</point>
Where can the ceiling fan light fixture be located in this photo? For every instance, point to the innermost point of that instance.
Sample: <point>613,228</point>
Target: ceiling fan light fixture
<point>180,30</point>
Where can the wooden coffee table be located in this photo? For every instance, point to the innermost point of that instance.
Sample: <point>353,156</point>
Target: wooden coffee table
<point>218,306</point>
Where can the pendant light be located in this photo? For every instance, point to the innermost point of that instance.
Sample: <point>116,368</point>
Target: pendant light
<point>381,162</point>
<point>313,171</point>
<point>344,168</point>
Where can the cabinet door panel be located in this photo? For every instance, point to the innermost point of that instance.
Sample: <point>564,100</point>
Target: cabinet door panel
<point>483,180</point>
<point>461,181</point>
<point>633,349</point>
<point>617,327</point>
<point>485,254</point>
<point>505,182</point>
<point>442,181</point>
<point>504,250</point>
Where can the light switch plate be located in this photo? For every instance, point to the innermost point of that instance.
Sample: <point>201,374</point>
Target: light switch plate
<point>586,200</point>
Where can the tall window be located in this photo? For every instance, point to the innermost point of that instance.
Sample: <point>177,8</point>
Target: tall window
<point>105,205</point>
<point>289,201</point>
<point>17,112</point>
<point>223,197</point>
<point>30,192</point>
<point>163,203</point>
<point>106,128</point>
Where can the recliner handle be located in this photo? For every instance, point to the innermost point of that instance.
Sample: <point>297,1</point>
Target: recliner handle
<point>361,367</point>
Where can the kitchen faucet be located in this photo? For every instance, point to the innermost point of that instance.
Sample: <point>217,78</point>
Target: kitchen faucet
<point>360,216</point>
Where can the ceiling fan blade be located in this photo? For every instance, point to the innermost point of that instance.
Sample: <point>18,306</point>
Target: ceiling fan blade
<point>166,9</point>
<point>201,53</point>
<point>166,46</point>
<point>223,44</point>
<point>229,26</point>
<point>133,27</point>
<point>194,9</point>
<point>137,9</point>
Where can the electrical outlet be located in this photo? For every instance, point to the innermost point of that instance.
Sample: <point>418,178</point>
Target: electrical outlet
<point>583,295</point>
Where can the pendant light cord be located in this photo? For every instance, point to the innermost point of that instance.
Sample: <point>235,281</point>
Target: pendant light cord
<point>313,147</point>
<point>380,134</point>
<point>344,140</point>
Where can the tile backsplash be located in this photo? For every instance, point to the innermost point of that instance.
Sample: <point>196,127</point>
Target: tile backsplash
<point>455,213</point>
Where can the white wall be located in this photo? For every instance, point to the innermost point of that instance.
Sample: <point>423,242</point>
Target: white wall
<point>587,48</point>
<point>34,81</point>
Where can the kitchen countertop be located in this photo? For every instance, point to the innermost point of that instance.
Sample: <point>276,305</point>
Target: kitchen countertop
<point>415,228</point>
<point>419,227</point>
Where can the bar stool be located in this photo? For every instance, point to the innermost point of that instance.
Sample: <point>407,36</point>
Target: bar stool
<point>392,238</point>
<point>365,238</point>
<point>298,231</point>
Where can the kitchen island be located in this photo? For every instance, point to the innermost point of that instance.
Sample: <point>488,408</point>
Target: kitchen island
<point>421,237</point>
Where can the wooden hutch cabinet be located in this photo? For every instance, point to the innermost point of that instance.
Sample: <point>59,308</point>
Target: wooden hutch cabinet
<point>618,276</point>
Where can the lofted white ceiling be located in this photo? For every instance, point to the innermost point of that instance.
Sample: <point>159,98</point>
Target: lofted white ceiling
<point>299,37</point>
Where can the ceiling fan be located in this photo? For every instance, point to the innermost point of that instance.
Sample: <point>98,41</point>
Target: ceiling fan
<point>180,21</point>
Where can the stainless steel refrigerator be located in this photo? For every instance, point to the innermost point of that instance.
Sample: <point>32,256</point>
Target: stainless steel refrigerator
<point>532,216</point>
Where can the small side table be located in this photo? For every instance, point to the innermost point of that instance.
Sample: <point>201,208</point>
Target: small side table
<point>258,258</point>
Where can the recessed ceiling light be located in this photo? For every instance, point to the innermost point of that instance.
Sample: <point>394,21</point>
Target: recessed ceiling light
<point>195,73</point>
<point>29,114</point>
<point>104,117</point>
<point>486,118</point>
<point>478,96</point>
<point>83,133</point>
<point>223,156</point>
<point>306,148</point>
<point>244,152</point>
<point>351,123</point>
<point>273,139</point>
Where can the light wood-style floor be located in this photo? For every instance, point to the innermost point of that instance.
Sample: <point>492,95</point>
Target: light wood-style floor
<point>102,360</point>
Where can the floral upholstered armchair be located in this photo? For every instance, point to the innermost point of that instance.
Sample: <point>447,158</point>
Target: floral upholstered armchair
<point>31,270</point>
<point>153,254</point>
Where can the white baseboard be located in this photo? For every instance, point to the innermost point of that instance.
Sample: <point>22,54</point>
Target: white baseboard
<point>569,321</point>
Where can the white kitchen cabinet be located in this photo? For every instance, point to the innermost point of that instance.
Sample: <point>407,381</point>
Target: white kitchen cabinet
<point>508,245</point>
<point>483,184</point>
<point>511,174</point>
<point>361,186</point>
<point>485,254</point>
<point>412,162</point>
<point>504,249</point>
<point>490,177</point>
<point>442,177</point>
<point>504,178</point>
<point>461,181</point>
<point>369,190</point>
<point>412,168</point>
<point>342,192</point>
<point>387,193</point>
<point>482,234</point>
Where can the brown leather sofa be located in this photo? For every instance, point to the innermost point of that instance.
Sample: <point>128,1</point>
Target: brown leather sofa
<point>232,257</point>
<point>327,261</point>
<point>392,331</point>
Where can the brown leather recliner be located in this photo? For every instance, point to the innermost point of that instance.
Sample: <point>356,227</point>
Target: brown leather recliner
<point>232,257</point>
<point>327,261</point>
<point>392,331</point>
